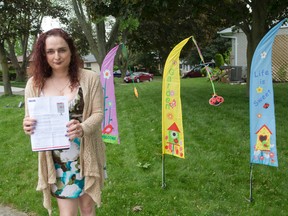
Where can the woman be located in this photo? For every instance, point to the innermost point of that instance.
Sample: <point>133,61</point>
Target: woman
<point>74,176</point>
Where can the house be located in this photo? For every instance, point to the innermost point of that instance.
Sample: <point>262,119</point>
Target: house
<point>91,63</point>
<point>239,48</point>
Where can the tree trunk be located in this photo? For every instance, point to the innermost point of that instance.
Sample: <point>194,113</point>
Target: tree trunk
<point>5,70</point>
<point>255,33</point>
<point>101,41</point>
<point>14,61</point>
<point>100,46</point>
<point>123,57</point>
<point>87,29</point>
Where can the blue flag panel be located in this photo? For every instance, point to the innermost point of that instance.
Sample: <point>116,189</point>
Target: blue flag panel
<point>262,115</point>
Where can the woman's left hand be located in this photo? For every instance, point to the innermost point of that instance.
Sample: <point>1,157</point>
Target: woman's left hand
<point>74,129</point>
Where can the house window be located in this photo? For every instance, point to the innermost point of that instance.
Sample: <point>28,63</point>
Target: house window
<point>88,65</point>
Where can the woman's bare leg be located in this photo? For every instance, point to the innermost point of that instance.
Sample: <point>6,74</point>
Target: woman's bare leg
<point>87,205</point>
<point>68,207</point>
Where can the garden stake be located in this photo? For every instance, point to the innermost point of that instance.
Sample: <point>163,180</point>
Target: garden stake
<point>251,185</point>
<point>163,172</point>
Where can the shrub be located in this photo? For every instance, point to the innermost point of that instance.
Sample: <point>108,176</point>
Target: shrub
<point>217,74</point>
<point>12,75</point>
<point>203,72</point>
<point>219,60</point>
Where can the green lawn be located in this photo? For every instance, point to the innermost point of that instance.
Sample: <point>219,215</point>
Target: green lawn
<point>213,179</point>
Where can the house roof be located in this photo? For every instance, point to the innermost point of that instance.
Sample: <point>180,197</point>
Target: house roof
<point>229,31</point>
<point>89,58</point>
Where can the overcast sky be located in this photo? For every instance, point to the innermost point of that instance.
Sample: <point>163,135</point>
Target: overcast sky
<point>49,23</point>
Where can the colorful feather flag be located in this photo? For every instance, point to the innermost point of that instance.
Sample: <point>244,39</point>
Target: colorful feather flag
<point>172,128</point>
<point>262,115</point>
<point>110,123</point>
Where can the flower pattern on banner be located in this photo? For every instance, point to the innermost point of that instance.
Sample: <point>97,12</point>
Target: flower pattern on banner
<point>262,114</point>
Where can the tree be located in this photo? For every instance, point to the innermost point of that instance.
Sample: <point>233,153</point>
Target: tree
<point>26,26</point>
<point>5,20</point>
<point>20,22</point>
<point>94,29</point>
<point>79,37</point>
<point>254,17</point>
<point>163,24</point>
<point>105,24</point>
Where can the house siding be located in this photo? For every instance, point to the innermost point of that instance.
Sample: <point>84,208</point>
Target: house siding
<point>238,56</point>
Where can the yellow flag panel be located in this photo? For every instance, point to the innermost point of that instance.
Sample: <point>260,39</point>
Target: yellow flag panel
<point>172,127</point>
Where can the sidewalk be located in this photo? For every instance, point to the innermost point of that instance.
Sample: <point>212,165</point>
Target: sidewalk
<point>6,211</point>
<point>15,90</point>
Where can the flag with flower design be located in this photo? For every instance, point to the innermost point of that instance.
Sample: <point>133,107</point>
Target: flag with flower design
<point>110,123</point>
<point>262,115</point>
<point>172,128</point>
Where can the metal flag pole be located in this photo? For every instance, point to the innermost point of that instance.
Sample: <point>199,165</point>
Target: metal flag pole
<point>163,172</point>
<point>251,185</point>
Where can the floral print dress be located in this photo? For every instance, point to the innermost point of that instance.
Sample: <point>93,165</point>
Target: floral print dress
<point>69,183</point>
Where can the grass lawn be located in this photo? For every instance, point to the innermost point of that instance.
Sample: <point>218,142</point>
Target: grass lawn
<point>213,179</point>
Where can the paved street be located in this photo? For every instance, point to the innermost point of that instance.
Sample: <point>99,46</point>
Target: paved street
<point>15,90</point>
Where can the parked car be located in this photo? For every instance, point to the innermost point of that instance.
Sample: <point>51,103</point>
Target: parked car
<point>138,77</point>
<point>196,71</point>
<point>192,73</point>
<point>117,73</point>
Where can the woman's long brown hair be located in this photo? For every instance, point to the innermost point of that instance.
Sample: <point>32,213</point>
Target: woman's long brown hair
<point>39,67</point>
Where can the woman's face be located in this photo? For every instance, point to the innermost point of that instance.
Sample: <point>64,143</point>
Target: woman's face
<point>58,54</point>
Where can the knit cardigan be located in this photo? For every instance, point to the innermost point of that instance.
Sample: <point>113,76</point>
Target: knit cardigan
<point>92,148</point>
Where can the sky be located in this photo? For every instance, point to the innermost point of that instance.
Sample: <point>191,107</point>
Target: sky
<point>49,23</point>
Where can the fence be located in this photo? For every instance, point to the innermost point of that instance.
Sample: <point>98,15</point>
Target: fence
<point>280,59</point>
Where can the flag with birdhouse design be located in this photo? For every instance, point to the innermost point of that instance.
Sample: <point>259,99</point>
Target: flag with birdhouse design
<point>172,127</point>
<point>262,112</point>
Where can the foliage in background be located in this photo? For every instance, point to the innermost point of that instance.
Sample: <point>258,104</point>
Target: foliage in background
<point>217,74</point>
<point>79,37</point>
<point>217,45</point>
<point>163,24</point>
<point>21,23</point>
<point>213,179</point>
<point>219,60</point>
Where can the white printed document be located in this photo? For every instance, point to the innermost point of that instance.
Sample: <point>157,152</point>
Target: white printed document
<point>52,115</point>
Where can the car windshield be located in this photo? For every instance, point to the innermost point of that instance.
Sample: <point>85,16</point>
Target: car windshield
<point>136,74</point>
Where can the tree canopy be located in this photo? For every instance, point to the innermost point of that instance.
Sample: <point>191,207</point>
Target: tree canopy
<point>20,23</point>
